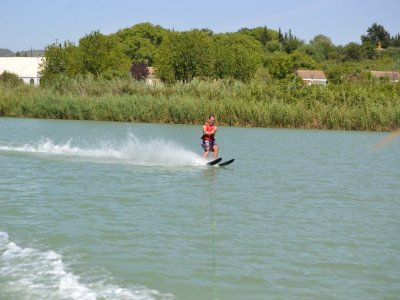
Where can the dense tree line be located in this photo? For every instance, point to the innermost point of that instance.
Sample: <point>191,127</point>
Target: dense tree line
<point>200,53</point>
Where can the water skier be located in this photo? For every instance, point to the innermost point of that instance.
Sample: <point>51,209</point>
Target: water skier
<point>208,137</point>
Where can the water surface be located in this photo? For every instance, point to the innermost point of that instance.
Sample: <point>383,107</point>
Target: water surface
<point>101,210</point>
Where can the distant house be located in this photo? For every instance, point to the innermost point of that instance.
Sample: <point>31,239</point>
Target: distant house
<point>26,68</point>
<point>392,76</point>
<point>312,77</point>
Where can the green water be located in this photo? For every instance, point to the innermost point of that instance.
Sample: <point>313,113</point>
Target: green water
<point>97,210</point>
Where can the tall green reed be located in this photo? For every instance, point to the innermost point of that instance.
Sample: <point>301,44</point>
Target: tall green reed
<point>349,106</point>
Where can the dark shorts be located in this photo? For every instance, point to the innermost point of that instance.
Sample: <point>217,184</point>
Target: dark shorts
<point>208,145</point>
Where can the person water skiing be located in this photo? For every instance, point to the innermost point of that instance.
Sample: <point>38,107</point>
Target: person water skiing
<point>208,137</point>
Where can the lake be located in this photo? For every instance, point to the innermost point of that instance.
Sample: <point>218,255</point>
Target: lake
<point>103,210</point>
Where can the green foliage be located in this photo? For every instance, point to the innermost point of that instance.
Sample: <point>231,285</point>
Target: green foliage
<point>352,52</point>
<point>334,75</point>
<point>236,56</point>
<point>96,54</point>
<point>394,54</point>
<point>255,87</point>
<point>61,60</point>
<point>395,41</point>
<point>322,40</point>
<point>286,103</point>
<point>290,42</point>
<point>303,61</point>
<point>377,33</point>
<point>273,46</point>
<point>261,34</point>
<point>279,64</point>
<point>140,42</point>
<point>185,55</point>
<point>368,51</point>
<point>100,53</point>
<point>10,79</point>
<point>320,48</point>
<point>356,52</point>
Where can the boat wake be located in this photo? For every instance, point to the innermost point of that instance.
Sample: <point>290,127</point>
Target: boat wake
<point>28,273</point>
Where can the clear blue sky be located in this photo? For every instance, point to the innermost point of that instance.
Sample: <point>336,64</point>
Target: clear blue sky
<point>27,24</point>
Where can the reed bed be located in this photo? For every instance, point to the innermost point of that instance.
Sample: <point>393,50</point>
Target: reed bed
<point>373,106</point>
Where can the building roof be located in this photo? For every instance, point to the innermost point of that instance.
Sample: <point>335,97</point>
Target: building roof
<point>22,66</point>
<point>392,75</point>
<point>311,74</point>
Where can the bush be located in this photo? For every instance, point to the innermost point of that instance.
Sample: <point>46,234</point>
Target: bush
<point>139,70</point>
<point>10,79</point>
<point>365,105</point>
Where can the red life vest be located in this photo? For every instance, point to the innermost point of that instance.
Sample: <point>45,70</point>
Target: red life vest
<point>207,137</point>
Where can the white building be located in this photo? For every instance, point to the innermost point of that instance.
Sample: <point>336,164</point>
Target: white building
<point>312,77</point>
<point>392,76</point>
<point>27,68</point>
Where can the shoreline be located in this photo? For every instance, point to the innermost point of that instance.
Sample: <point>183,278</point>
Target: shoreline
<point>357,107</point>
<point>390,131</point>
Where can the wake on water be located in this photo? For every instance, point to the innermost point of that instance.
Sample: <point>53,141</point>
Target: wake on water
<point>156,152</point>
<point>29,273</point>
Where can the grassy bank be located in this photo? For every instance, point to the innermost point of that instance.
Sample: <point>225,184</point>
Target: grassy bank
<point>353,106</point>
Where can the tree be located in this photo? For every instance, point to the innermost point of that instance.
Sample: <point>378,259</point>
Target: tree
<point>140,42</point>
<point>321,39</point>
<point>10,79</point>
<point>291,42</point>
<point>224,56</point>
<point>61,60</point>
<point>101,54</point>
<point>262,34</point>
<point>55,62</point>
<point>367,51</point>
<point>183,56</point>
<point>335,74</point>
<point>139,70</point>
<point>236,55</point>
<point>279,64</point>
<point>393,53</point>
<point>280,36</point>
<point>395,41</point>
<point>265,36</point>
<point>352,52</point>
<point>320,48</point>
<point>273,46</point>
<point>96,54</point>
<point>207,31</point>
<point>376,33</point>
<point>301,60</point>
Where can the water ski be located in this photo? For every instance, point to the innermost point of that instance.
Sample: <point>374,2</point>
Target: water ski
<point>225,163</point>
<point>214,162</point>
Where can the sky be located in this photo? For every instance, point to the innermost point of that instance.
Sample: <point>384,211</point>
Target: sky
<point>34,24</point>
